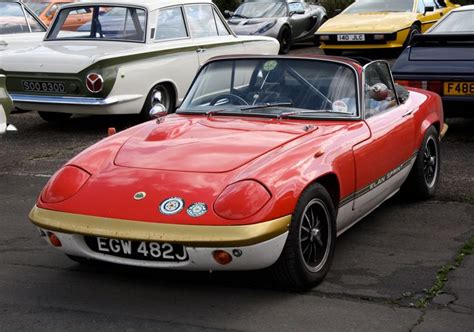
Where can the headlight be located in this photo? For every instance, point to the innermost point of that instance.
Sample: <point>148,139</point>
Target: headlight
<point>64,184</point>
<point>241,200</point>
<point>264,28</point>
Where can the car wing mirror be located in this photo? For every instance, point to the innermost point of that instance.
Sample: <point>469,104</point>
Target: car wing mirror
<point>228,13</point>
<point>337,11</point>
<point>429,9</point>
<point>158,111</point>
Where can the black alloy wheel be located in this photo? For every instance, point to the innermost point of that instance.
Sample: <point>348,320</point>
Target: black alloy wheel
<point>424,175</point>
<point>309,248</point>
<point>285,40</point>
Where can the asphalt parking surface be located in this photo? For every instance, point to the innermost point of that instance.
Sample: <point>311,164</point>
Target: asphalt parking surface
<point>382,269</point>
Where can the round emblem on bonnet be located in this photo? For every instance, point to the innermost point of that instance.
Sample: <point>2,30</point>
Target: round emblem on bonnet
<point>139,195</point>
<point>171,206</point>
<point>197,209</point>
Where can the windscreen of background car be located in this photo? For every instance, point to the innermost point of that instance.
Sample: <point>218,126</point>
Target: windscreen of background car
<point>38,7</point>
<point>323,86</point>
<point>456,22</point>
<point>102,23</point>
<point>379,6</point>
<point>261,9</point>
<point>12,19</point>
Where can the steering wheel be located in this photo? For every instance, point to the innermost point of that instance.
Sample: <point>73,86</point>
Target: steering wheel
<point>231,97</point>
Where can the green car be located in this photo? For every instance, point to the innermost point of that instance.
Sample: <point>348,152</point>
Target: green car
<point>6,106</point>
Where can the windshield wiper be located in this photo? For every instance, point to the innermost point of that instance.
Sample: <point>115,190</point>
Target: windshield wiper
<point>266,105</point>
<point>222,110</point>
<point>284,115</point>
<point>238,15</point>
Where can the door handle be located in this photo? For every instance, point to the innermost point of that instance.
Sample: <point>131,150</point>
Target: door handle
<point>201,50</point>
<point>409,112</point>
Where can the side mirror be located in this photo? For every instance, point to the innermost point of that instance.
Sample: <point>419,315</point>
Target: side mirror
<point>429,9</point>
<point>158,111</point>
<point>337,11</point>
<point>228,13</point>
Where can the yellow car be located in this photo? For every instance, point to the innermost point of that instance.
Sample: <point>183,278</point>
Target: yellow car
<point>374,24</point>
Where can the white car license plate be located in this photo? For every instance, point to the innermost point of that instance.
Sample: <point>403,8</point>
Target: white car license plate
<point>140,250</point>
<point>350,38</point>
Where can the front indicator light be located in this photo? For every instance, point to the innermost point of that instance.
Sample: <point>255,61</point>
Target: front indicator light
<point>323,38</point>
<point>54,240</point>
<point>267,26</point>
<point>64,184</point>
<point>241,200</point>
<point>222,257</point>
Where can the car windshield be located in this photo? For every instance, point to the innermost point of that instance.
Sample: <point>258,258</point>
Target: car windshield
<point>274,87</point>
<point>261,9</point>
<point>376,6</point>
<point>456,22</point>
<point>38,7</point>
<point>100,23</point>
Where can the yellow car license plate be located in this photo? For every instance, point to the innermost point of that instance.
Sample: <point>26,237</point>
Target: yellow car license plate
<point>350,38</point>
<point>458,88</point>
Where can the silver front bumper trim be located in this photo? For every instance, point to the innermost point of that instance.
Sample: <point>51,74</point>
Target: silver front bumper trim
<point>61,100</point>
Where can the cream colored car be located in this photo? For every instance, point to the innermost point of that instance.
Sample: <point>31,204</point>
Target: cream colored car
<point>128,58</point>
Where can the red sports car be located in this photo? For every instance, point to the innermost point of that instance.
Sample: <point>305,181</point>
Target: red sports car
<point>267,160</point>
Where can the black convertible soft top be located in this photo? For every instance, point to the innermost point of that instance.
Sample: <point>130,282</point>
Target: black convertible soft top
<point>431,39</point>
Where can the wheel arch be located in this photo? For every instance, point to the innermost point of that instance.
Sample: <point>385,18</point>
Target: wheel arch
<point>330,182</point>
<point>169,84</point>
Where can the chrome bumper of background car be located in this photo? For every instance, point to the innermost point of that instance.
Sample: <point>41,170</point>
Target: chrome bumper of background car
<point>252,257</point>
<point>443,132</point>
<point>63,100</point>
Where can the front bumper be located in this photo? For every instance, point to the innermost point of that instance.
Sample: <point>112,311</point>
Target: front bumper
<point>261,244</point>
<point>81,105</point>
<point>391,40</point>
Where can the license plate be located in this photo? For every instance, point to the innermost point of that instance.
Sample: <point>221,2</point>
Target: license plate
<point>43,86</point>
<point>458,88</point>
<point>350,38</point>
<point>140,250</point>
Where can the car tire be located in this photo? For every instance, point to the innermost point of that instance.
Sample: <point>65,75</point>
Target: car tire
<point>54,117</point>
<point>301,265</point>
<point>332,52</point>
<point>423,178</point>
<point>160,93</point>
<point>414,30</point>
<point>82,260</point>
<point>285,39</point>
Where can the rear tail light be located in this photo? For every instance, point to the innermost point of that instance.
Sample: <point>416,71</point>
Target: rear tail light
<point>434,86</point>
<point>94,83</point>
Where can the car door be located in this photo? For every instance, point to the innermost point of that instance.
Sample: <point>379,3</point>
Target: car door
<point>299,20</point>
<point>182,63</point>
<point>430,17</point>
<point>209,32</point>
<point>384,160</point>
